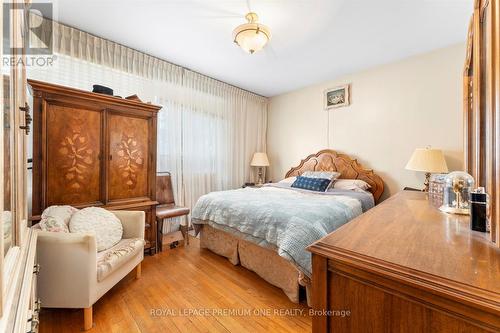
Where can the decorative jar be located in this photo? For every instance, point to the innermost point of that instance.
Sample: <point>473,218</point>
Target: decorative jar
<point>456,194</point>
<point>436,189</point>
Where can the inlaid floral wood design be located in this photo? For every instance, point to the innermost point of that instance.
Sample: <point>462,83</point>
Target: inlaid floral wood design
<point>131,160</point>
<point>129,150</point>
<point>73,145</point>
<point>77,153</point>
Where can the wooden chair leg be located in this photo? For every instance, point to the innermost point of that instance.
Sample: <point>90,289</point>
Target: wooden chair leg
<point>87,318</point>
<point>159,235</point>
<point>138,271</point>
<point>184,231</point>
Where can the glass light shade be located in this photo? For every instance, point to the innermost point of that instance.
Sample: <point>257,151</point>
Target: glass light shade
<point>260,160</point>
<point>251,36</point>
<point>456,194</point>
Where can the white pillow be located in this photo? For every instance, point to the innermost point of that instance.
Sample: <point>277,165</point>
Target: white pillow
<point>351,184</point>
<point>105,225</point>
<point>53,224</point>
<point>289,180</point>
<point>7,224</point>
<point>62,212</point>
<point>332,175</point>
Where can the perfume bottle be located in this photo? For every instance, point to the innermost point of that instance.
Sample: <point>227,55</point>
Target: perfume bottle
<point>479,210</point>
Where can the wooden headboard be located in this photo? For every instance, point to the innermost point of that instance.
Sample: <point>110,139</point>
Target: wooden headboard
<point>329,160</point>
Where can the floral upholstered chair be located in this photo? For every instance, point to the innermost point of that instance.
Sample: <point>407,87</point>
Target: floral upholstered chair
<point>74,275</point>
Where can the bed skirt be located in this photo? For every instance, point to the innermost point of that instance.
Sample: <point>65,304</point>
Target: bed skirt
<point>263,261</point>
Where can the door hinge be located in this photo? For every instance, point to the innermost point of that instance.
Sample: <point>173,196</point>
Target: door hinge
<point>27,118</point>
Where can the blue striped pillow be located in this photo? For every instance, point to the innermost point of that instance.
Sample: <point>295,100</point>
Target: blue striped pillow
<point>311,184</point>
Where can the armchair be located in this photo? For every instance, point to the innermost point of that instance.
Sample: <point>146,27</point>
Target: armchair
<point>75,275</point>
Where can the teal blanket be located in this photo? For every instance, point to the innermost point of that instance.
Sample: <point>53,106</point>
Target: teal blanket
<point>274,217</point>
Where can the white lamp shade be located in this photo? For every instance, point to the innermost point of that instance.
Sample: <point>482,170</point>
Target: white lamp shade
<point>260,160</point>
<point>427,160</point>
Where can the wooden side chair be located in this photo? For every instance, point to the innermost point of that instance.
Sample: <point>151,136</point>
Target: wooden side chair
<point>168,209</point>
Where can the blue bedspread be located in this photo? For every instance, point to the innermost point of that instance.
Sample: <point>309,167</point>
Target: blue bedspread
<point>278,217</point>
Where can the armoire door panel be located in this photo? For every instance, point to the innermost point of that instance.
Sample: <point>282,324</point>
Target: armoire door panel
<point>128,157</point>
<point>73,166</point>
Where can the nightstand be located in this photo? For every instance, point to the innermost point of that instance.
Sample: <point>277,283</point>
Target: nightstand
<point>411,189</point>
<point>253,185</point>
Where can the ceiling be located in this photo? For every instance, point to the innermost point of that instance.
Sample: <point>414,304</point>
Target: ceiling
<point>312,40</point>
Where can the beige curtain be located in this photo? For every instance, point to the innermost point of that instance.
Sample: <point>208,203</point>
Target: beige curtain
<point>207,130</point>
<point>84,46</point>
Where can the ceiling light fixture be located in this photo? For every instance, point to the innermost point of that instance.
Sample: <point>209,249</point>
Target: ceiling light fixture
<point>251,36</point>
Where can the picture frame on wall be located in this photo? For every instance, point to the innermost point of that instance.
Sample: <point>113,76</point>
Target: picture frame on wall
<point>336,97</point>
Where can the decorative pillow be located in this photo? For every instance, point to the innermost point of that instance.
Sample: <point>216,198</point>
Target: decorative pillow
<point>53,224</point>
<point>289,181</point>
<point>351,184</point>
<point>312,184</point>
<point>332,175</point>
<point>7,224</point>
<point>105,225</point>
<point>62,212</point>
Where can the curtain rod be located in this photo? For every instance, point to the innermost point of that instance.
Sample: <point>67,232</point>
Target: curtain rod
<point>155,57</point>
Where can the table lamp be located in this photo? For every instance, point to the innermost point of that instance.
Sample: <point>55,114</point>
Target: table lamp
<point>260,160</point>
<point>427,160</point>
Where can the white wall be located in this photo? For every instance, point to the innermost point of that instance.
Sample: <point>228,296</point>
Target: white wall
<point>394,109</point>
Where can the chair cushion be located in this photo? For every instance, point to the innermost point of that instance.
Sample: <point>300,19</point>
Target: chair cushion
<point>106,227</point>
<point>113,258</point>
<point>168,211</point>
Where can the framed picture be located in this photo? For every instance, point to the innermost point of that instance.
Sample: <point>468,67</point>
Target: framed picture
<point>336,97</point>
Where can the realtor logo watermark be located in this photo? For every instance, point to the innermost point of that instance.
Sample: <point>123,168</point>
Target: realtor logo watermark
<point>31,42</point>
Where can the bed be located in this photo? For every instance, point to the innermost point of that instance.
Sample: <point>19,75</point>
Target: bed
<point>266,230</point>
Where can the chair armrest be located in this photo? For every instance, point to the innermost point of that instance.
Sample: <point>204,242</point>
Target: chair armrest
<point>133,223</point>
<point>68,269</point>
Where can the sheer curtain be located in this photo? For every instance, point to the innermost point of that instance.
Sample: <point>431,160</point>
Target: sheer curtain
<point>207,129</point>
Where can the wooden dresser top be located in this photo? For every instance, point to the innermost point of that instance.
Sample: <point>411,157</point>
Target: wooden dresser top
<point>406,237</point>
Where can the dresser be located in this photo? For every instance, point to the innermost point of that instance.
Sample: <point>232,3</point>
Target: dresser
<point>404,266</point>
<point>92,149</point>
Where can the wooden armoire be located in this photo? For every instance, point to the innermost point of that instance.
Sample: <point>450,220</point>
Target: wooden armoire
<point>91,149</point>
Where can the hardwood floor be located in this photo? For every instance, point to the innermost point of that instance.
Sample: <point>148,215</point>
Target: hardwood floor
<point>177,281</point>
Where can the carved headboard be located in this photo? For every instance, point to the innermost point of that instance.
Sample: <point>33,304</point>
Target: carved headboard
<point>329,160</point>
